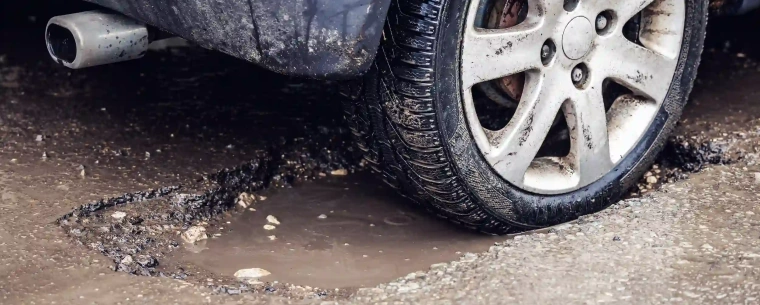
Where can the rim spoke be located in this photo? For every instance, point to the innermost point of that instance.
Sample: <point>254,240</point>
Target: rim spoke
<point>587,122</point>
<point>638,68</point>
<point>662,26</point>
<point>490,54</point>
<point>526,131</point>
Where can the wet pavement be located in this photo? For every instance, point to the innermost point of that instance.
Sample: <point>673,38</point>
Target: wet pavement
<point>102,171</point>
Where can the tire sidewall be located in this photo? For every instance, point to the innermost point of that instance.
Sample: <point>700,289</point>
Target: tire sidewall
<point>529,210</point>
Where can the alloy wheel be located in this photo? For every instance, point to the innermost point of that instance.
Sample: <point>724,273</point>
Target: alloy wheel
<point>572,60</point>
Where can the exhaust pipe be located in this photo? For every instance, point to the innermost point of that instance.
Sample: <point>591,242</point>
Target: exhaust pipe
<point>95,38</point>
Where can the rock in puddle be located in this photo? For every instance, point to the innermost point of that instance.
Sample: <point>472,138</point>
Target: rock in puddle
<point>194,234</point>
<point>339,172</point>
<point>251,273</point>
<point>273,220</point>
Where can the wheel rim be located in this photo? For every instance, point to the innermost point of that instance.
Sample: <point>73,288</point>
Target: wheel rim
<point>587,53</point>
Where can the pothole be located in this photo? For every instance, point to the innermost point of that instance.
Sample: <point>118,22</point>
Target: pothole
<point>683,155</point>
<point>330,236</point>
<point>138,230</point>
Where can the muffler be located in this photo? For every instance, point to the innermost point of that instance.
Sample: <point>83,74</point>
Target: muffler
<point>95,38</point>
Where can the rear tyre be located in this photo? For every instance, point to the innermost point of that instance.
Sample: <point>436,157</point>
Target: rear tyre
<point>586,103</point>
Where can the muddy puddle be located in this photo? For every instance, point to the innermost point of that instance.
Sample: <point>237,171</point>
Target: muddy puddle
<point>333,233</point>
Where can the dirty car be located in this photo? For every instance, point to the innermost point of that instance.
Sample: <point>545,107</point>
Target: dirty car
<point>499,115</point>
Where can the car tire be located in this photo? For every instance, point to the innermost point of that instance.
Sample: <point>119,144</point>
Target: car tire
<point>410,120</point>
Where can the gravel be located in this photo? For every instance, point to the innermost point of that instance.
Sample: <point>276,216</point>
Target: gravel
<point>642,248</point>
<point>118,215</point>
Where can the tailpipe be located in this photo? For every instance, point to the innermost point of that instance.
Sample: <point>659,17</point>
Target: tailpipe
<point>95,38</point>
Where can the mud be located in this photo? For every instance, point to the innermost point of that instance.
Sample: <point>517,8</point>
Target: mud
<point>138,242</point>
<point>172,141</point>
<point>683,155</point>
<point>369,236</point>
<point>371,230</point>
<point>366,236</point>
<point>690,155</point>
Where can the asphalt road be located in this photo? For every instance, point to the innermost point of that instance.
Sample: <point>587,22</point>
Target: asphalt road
<point>216,127</point>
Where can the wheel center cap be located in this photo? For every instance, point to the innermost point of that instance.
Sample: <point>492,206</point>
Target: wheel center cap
<point>577,38</point>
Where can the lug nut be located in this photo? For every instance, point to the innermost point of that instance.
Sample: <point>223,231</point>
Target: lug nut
<point>577,75</point>
<point>580,75</point>
<point>601,22</point>
<point>547,52</point>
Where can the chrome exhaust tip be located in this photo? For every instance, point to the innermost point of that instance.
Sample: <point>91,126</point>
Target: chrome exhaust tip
<point>95,38</point>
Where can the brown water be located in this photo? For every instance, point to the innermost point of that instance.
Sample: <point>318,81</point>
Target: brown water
<point>369,237</point>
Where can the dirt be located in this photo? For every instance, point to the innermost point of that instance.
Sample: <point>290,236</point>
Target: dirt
<point>169,142</point>
<point>173,140</point>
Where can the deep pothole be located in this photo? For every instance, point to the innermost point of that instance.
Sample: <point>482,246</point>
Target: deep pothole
<point>138,230</point>
<point>335,235</point>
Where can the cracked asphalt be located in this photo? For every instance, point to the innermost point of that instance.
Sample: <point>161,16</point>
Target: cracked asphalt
<point>183,115</point>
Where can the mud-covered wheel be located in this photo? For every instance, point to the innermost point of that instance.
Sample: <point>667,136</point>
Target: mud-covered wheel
<point>516,114</point>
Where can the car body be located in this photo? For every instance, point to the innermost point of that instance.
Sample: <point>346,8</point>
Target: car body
<point>313,38</point>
